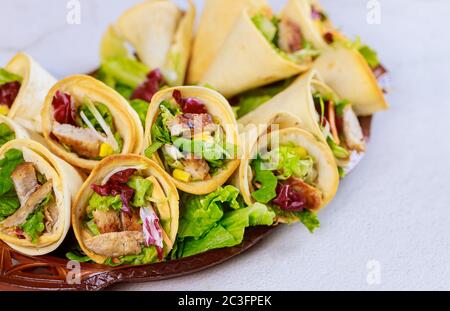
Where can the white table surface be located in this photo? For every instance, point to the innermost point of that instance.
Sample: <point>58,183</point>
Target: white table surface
<point>393,211</point>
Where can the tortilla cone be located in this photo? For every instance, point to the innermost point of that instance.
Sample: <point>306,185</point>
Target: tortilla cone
<point>66,183</point>
<point>347,72</point>
<point>328,176</point>
<point>126,120</point>
<point>216,22</point>
<point>19,131</point>
<point>161,34</point>
<point>300,12</point>
<point>36,82</point>
<point>247,61</point>
<point>169,203</point>
<point>296,100</point>
<point>220,109</point>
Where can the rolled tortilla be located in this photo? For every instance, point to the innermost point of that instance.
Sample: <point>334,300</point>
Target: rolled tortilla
<point>340,63</point>
<point>19,132</point>
<point>161,33</point>
<point>247,60</point>
<point>66,183</point>
<point>166,203</point>
<point>221,111</point>
<point>348,73</point>
<point>297,100</point>
<point>327,180</point>
<point>125,119</point>
<point>35,84</point>
<point>216,22</point>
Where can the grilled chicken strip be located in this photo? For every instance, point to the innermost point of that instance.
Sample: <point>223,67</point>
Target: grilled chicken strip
<point>131,222</point>
<point>21,215</point>
<point>189,124</point>
<point>116,244</point>
<point>198,168</point>
<point>107,221</point>
<point>25,181</point>
<point>82,141</point>
<point>51,216</point>
<point>354,137</point>
<point>312,195</point>
<point>290,37</point>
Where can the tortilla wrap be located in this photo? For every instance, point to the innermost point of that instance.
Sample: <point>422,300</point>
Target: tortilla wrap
<point>220,109</point>
<point>216,22</point>
<point>169,204</point>
<point>36,82</point>
<point>328,176</point>
<point>19,131</point>
<point>66,183</point>
<point>126,120</point>
<point>348,73</point>
<point>161,33</point>
<point>247,61</point>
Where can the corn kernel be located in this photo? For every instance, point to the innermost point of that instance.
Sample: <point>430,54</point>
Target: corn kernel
<point>205,136</point>
<point>4,110</point>
<point>106,150</point>
<point>181,175</point>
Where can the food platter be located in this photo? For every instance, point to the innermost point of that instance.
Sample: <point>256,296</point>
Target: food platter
<point>50,272</point>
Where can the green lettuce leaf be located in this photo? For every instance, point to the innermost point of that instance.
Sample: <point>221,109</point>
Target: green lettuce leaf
<point>147,256</point>
<point>125,71</point>
<point>6,77</point>
<point>309,219</point>
<point>268,182</point>
<point>201,213</point>
<point>141,107</point>
<point>370,55</point>
<point>291,161</point>
<point>266,26</point>
<point>34,225</point>
<point>104,112</point>
<point>338,151</point>
<point>9,204</point>
<point>6,134</point>
<point>143,189</point>
<point>104,203</point>
<point>8,164</point>
<point>210,151</point>
<point>230,230</point>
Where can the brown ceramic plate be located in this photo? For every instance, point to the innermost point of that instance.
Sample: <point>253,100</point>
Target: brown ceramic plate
<point>20,272</point>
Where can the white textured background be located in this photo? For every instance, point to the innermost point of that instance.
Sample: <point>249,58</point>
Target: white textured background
<point>394,209</point>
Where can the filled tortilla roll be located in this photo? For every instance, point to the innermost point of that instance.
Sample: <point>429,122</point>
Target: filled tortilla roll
<point>160,35</point>
<point>260,49</point>
<point>192,133</point>
<point>216,22</point>
<point>23,87</point>
<point>292,172</point>
<point>352,69</point>
<point>10,130</point>
<point>126,212</point>
<point>85,121</point>
<point>322,112</point>
<point>36,193</point>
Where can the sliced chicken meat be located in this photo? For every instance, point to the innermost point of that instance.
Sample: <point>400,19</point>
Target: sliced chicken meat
<point>290,38</point>
<point>188,124</point>
<point>354,137</point>
<point>312,194</point>
<point>25,181</point>
<point>131,222</point>
<point>82,141</point>
<point>51,216</point>
<point>21,215</point>
<point>198,168</point>
<point>116,244</point>
<point>107,221</point>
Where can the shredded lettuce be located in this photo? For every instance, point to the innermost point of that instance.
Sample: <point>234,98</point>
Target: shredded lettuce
<point>124,71</point>
<point>143,189</point>
<point>369,54</point>
<point>338,151</point>
<point>104,203</point>
<point>6,134</point>
<point>268,182</point>
<point>8,164</point>
<point>9,204</point>
<point>34,225</point>
<point>147,256</point>
<point>308,218</point>
<point>266,26</point>
<point>7,77</point>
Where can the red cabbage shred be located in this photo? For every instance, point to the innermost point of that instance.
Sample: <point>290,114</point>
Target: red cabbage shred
<point>64,109</point>
<point>150,87</point>
<point>189,105</point>
<point>289,200</point>
<point>8,93</point>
